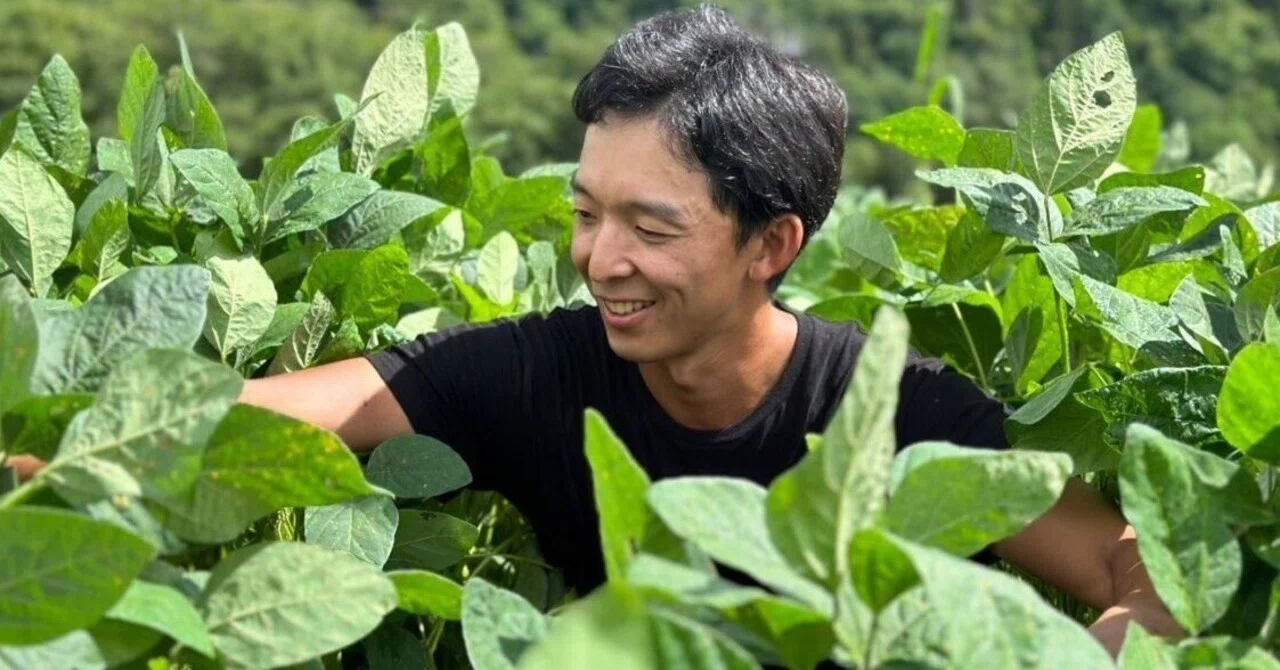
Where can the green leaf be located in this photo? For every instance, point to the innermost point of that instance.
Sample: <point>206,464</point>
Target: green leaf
<point>867,248</point>
<point>377,218</point>
<point>1141,145</point>
<point>1260,295</point>
<point>1192,556</point>
<point>107,644</point>
<point>391,647</point>
<point>50,125</point>
<point>126,444</point>
<point>879,570</point>
<point>36,219</point>
<point>1126,317</point>
<point>725,517</point>
<point>1248,411</point>
<point>497,267</point>
<point>682,642</point>
<point>988,148</point>
<point>429,594</point>
<point>1034,343</point>
<point>960,325</point>
<point>317,199</point>
<point>620,485</point>
<point>139,80</point>
<point>1008,203</point>
<point>256,462</point>
<point>166,610</point>
<point>364,528</point>
<point>61,571</point>
<point>453,75</point>
<point>1144,651</point>
<point>365,286</point>
<point>962,499</point>
<point>1055,421</point>
<point>1122,208</point>
<point>921,234</point>
<point>35,425</point>
<point>1179,402</point>
<point>278,603</point>
<point>20,342</point>
<point>609,628</point>
<point>397,98</point>
<point>417,466</point>
<point>445,157</point>
<point>303,347</point>
<point>971,248</point>
<point>926,132</point>
<point>1076,124</point>
<point>430,541</point>
<point>1265,220</point>
<point>146,150</point>
<point>498,625</point>
<point>213,174</point>
<point>278,173</point>
<point>190,115</point>
<point>816,506</point>
<point>1190,178</point>
<point>528,208</point>
<point>104,242</point>
<point>242,302</point>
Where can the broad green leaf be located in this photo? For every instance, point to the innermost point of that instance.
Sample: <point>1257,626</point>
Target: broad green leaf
<point>725,517</point>
<point>104,242</point>
<point>497,267</point>
<point>1190,178</point>
<point>1248,411</point>
<point>1065,262</point>
<point>815,507</point>
<point>941,624</point>
<point>60,571</point>
<point>1190,553</point>
<point>166,610</point>
<point>620,485</point>
<point>146,430</point>
<point>417,466</point>
<point>528,208</point>
<point>1144,651</point>
<point>1232,174</point>
<point>1076,123</point>
<point>256,462</point>
<point>1221,651</point>
<point>1207,318</point>
<point>879,570</point>
<point>213,175</point>
<point>35,425</point>
<point>446,158</point>
<point>278,603</point>
<point>317,199</point>
<point>36,219</point>
<point>391,647</point>
<point>682,641</point>
<point>377,218</point>
<point>430,541</point>
<point>146,150</point>
<point>1265,220</point>
<point>988,148</point>
<point>926,132</point>
<point>303,346</point>
<point>287,318</point>
<point>1157,282</point>
<point>278,173</point>
<point>106,644</point>
<point>242,301</point>
<point>50,125</point>
<point>921,234</point>
<point>860,309</point>
<point>610,628</point>
<point>113,158</point>
<point>20,341</point>
<point>971,248</point>
<point>1260,295</point>
<point>135,516</point>
<point>958,324</point>
<point>365,286</point>
<point>364,528</point>
<point>1128,318</point>
<point>189,113</point>
<point>453,75</point>
<point>427,593</point>
<point>867,248</point>
<point>1054,421</point>
<point>1030,309</point>
<point>1179,402</point>
<point>962,499</point>
<point>397,98</point>
<point>1125,207</point>
<point>1010,204</point>
<point>112,187</point>
<point>1141,147</point>
<point>139,79</point>
<point>498,625</point>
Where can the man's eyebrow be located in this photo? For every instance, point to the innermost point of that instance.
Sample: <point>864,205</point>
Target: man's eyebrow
<point>657,209</point>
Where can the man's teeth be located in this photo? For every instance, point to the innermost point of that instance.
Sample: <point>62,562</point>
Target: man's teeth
<point>626,307</point>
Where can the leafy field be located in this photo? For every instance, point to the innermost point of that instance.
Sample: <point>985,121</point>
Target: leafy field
<point>1124,301</point>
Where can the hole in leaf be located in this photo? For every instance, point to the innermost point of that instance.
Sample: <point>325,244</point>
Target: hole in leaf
<point>1102,98</point>
<point>1106,78</point>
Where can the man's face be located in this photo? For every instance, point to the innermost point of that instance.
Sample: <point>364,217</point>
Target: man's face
<point>647,235</point>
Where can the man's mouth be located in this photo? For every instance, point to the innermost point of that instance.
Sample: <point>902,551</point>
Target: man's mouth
<point>623,308</point>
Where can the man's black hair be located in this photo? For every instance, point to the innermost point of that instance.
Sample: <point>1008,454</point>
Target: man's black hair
<point>767,129</point>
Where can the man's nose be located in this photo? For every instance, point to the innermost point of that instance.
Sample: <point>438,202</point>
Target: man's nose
<point>610,253</point>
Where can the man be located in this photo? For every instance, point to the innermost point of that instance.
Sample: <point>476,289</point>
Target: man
<point>709,160</point>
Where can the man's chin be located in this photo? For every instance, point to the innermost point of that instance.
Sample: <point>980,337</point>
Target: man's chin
<point>632,351</point>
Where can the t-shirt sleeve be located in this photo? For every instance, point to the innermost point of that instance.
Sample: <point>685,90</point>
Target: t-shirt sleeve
<point>469,386</point>
<point>939,403</point>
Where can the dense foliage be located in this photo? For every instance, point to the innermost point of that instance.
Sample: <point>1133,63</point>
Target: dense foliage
<point>1130,314</point>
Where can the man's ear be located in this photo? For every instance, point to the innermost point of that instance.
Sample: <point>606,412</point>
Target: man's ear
<point>780,242</point>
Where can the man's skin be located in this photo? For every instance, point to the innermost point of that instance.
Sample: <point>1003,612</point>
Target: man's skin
<point>712,347</point>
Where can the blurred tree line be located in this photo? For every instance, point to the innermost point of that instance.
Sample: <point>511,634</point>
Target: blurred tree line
<point>1214,64</point>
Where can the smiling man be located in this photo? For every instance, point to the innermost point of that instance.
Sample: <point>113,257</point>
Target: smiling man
<point>709,160</point>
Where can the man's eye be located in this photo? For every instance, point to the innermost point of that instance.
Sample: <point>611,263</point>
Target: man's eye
<point>582,214</point>
<point>653,235</point>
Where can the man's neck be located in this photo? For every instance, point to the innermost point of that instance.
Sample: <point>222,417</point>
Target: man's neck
<point>729,376</point>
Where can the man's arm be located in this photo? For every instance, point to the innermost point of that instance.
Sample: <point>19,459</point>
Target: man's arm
<point>1083,546</point>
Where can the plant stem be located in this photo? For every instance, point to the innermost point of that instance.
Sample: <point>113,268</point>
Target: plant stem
<point>1062,331</point>
<point>871,641</point>
<point>973,348</point>
<point>22,493</point>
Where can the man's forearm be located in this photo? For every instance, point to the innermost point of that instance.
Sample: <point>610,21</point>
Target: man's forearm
<point>1134,599</point>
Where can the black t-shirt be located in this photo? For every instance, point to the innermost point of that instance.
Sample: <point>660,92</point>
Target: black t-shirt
<point>509,397</point>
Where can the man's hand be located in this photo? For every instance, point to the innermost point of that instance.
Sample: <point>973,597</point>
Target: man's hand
<point>1083,546</point>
